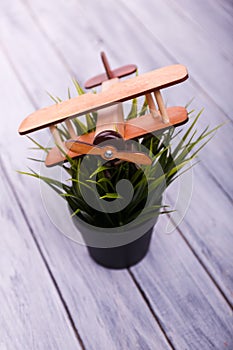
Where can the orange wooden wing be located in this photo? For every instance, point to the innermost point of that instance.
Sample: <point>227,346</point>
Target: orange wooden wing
<point>134,128</point>
<point>119,92</point>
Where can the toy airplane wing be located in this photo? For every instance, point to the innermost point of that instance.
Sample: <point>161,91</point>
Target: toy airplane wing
<point>118,92</point>
<point>111,130</point>
<point>134,128</point>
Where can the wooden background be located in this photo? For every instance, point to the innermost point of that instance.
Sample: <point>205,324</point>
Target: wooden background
<point>52,295</point>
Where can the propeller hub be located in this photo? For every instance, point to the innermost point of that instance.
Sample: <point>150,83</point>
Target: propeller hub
<point>108,154</point>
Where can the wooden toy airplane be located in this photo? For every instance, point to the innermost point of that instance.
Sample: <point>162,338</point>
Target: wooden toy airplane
<point>110,122</point>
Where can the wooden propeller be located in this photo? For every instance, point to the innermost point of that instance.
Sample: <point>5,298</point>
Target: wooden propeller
<point>108,152</point>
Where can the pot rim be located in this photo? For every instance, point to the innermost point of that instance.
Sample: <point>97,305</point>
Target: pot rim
<point>111,237</point>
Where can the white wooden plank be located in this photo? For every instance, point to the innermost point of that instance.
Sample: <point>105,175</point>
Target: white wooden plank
<point>213,19</point>
<point>227,7</point>
<point>151,57</point>
<point>218,301</point>
<point>217,153</point>
<point>185,41</point>
<point>23,48</point>
<point>187,303</point>
<point>82,50</point>
<point>206,189</point>
<point>208,227</point>
<point>32,315</point>
<point>107,309</point>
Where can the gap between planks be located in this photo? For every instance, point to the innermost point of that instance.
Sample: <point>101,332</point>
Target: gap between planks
<point>173,58</point>
<point>193,81</point>
<point>201,263</point>
<point>150,307</point>
<point>7,178</point>
<point>183,237</point>
<point>34,103</point>
<point>163,48</point>
<point>18,76</point>
<point>50,41</point>
<point>218,183</point>
<point>69,316</point>
<point>147,299</point>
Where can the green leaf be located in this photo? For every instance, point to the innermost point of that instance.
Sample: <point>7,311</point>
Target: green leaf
<point>59,99</point>
<point>69,94</point>
<point>175,169</point>
<point>96,183</point>
<point>68,195</point>
<point>98,170</point>
<point>107,181</point>
<point>54,99</point>
<point>134,110</point>
<point>189,103</point>
<point>170,159</point>
<point>144,108</point>
<point>111,196</point>
<point>36,160</point>
<point>80,127</point>
<point>90,122</point>
<point>81,183</point>
<point>78,88</point>
<point>63,132</point>
<point>174,153</point>
<point>54,184</point>
<point>153,209</point>
<point>42,148</point>
<point>76,212</point>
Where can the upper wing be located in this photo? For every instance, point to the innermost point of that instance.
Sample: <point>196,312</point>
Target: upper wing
<point>119,92</point>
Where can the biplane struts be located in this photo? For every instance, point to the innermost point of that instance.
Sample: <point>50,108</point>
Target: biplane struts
<point>110,121</point>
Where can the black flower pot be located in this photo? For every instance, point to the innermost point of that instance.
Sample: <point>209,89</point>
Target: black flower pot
<point>116,248</point>
<point>123,256</point>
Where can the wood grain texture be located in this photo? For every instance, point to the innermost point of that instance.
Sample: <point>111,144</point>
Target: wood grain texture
<point>108,152</point>
<point>210,237</point>
<point>118,92</point>
<point>151,105</point>
<point>188,305</point>
<point>110,118</point>
<point>32,315</point>
<point>211,17</point>
<point>133,128</point>
<point>150,51</point>
<point>219,151</point>
<point>209,75</point>
<point>106,308</point>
